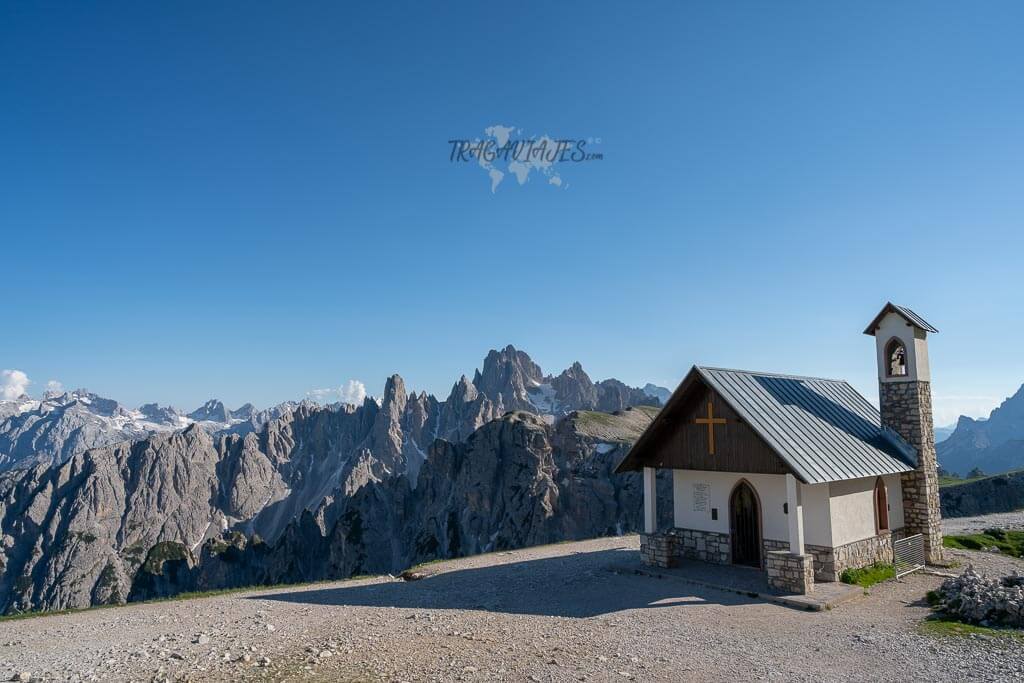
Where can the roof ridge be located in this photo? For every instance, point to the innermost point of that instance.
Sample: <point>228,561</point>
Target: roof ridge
<point>772,374</point>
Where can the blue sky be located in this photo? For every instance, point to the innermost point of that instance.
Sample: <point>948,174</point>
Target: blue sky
<point>219,199</point>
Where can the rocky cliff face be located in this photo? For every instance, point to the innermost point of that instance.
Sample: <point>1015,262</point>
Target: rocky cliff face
<point>517,481</point>
<point>1002,493</point>
<point>316,491</point>
<point>993,445</point>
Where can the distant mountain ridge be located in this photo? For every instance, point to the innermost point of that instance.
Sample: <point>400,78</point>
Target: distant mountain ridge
<point>59,426</point>
<point>62,425</point>
<point>513,457</point>
<point>992,445</point>
<point>943,433</point>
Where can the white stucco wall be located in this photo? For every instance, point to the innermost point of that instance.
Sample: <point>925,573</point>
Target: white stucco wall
<point>817,520</point>
<point>852,510</point>
<point>834,514</point>
<point>770,489</point>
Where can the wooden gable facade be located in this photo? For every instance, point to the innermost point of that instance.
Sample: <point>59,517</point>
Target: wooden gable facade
<point>681,436</point>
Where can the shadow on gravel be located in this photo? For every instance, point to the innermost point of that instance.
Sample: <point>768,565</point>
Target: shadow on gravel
<point>579,585</point>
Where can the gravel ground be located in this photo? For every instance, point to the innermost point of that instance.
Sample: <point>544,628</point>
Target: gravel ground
<point>970,525</point>
<point>554,613</point>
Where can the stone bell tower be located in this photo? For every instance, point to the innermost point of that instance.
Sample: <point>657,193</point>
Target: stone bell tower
<point>905,399</point>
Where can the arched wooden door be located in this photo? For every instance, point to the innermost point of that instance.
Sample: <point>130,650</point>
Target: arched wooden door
<point>745,525</point>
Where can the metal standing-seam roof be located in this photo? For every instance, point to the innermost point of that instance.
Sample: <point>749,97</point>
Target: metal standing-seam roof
<point>908,315</point>
<point>822,428</point>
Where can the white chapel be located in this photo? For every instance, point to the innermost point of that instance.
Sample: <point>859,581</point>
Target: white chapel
<point>801,477</point>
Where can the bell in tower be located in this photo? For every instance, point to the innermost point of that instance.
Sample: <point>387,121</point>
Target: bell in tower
<point>905,401</point>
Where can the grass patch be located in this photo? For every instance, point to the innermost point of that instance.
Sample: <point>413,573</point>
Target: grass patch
<point>1008,542</point>
<point>423,565</point>
<point>947,627</point>
<point>650,410</point>
<point>54,613</point>
<point>594,417</point>
<point>866,577</point>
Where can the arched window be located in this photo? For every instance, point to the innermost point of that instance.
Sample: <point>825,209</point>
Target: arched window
<point>881,506</point>
<point>895,359</point>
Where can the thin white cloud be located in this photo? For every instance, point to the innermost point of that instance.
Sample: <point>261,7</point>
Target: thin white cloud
<point>13,383</point>
<point>55,386</point>
<point>352,391</point>
<point>956,397</point>
<point>321,395</point>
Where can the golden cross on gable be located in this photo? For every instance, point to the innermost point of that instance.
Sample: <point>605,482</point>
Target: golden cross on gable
<point>710,421</point>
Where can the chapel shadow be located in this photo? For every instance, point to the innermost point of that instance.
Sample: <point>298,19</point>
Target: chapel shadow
<point>579,585</point>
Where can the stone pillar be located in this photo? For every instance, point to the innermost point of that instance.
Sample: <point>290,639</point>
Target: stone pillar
<point>907,409</point>
<point>659,550</point>
<point>650,500</point>
<point>795,515</point>
<point>790,573</point>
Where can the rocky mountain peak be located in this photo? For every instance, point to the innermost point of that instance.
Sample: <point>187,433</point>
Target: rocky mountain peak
<point>160,415</point>
<point>506,376</point>
<point>387,437</point>
<point>244,413</point>
<point>992,445</point>
<point>394,393</point>
<point>106,407</point>
<point>463,391</point>
<point>660,393</point>
<point>965,422</point>
<point>574,388</point>
<point>211,411</point>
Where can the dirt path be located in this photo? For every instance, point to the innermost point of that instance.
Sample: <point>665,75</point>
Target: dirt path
<point>543,614</point>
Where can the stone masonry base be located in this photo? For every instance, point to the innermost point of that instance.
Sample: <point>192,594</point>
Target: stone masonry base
<point>790,573</point>
<point>665,550</point>
<point>829,563</point>
<point>824,563</point>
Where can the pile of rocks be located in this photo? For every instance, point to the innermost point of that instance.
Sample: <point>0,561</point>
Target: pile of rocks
<point>977,599</point>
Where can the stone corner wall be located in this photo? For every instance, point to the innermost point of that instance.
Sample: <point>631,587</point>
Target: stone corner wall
<point>658,550</point>
<point>790,573</point>
<point>829,563</point>
<point>668,548</point>
<point>906,408</point>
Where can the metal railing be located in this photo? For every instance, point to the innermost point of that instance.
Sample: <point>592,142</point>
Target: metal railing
<point>908,554</point>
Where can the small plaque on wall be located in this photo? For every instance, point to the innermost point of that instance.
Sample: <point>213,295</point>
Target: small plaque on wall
<point>701,495</point>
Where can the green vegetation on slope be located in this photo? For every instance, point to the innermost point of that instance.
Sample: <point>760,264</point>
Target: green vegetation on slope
<point>973,476</point>
<point>1008,542</point>
<point>623,427</point>
<point>164,551</point>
